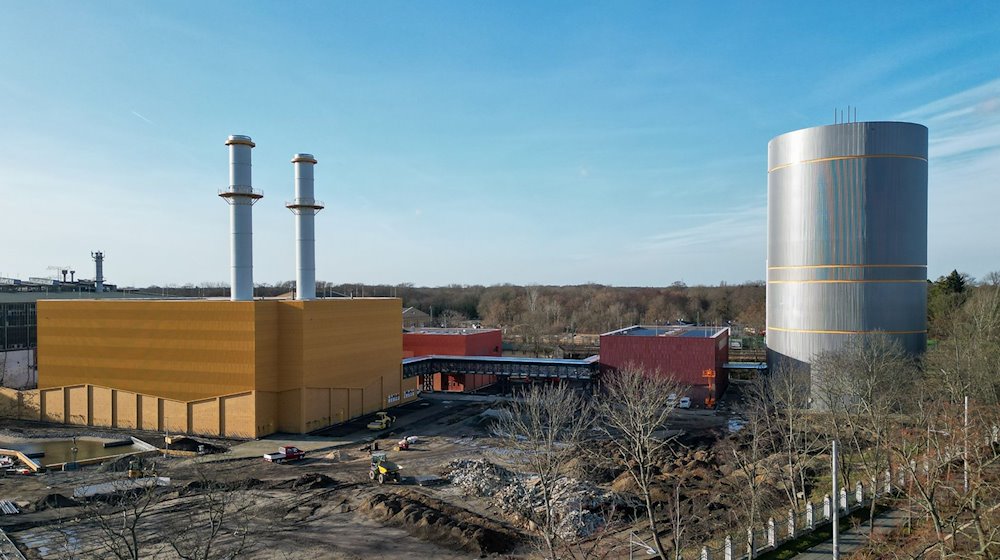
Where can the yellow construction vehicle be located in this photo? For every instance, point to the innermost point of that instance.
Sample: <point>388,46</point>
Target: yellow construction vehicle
<point>382,469</point>
<point>382,421</point>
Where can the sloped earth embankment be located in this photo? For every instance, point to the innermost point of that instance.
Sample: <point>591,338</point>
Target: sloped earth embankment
<point>433,520</point>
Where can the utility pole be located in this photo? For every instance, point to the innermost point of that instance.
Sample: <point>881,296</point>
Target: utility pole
<point>835,510</point>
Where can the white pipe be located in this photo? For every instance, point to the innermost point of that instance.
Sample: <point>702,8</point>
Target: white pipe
<point>241,197</point>
<point>305,207</point>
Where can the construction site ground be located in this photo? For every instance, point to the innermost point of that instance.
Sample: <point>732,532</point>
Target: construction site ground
<point>324,506</point>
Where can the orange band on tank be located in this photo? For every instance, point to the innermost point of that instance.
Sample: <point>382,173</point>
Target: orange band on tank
<point>805,266</point>
<point>808,331</point>
<point>839,158</point>
<point>846,281</point>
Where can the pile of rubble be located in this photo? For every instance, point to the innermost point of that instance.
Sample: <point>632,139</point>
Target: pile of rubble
<point>480,477</point>
<point>580,507</point>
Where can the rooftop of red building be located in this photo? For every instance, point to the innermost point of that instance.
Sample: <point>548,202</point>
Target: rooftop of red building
<point>690,331</point>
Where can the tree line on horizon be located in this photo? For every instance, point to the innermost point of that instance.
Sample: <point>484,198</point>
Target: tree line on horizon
<point>588,308</point>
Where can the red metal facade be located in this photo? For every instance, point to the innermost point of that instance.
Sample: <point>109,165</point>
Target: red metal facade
<point>684,357</point>
<point>480,342</point>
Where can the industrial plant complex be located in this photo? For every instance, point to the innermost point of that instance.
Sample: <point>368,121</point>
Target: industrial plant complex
<point>847,254</point>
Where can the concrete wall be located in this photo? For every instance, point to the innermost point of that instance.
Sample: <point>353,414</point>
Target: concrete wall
<point>21,405</point>
<point>89,405</point>
<point>18,369</point>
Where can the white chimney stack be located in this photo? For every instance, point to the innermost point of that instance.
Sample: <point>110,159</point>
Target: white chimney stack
<point>305,207</point>
<point>241,197</point>
<point>99,273</point>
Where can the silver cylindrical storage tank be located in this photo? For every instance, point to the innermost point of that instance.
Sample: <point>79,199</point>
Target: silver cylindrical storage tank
<point>846,239</point>
<point>305,207</point>
<point>241,197</point>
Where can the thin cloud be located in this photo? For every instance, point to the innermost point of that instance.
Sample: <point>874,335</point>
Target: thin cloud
<point>964,130</point>
<point>739,226</point>
<point>963,126</point>
<point>142,117</point>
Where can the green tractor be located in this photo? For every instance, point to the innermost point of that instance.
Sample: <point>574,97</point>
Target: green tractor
<point>382,469</point>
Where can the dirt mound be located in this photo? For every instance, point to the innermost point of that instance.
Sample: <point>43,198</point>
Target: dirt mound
<point>308,481</point>
<point>312,481</point>
<point>436,521</point>
<point>192,444</point>
<point>53,501</point>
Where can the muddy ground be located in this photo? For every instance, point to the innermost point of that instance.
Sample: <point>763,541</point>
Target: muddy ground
<point>325,506</point>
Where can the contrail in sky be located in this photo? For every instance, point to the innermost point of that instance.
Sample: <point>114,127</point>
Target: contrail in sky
<point>142,117</point>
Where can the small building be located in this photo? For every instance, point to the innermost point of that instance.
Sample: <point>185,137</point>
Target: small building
<point>695,355</point>
<point>453,342</point>
<point>413,318</point>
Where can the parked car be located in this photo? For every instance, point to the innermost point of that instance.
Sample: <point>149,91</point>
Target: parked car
<point>685,402</point>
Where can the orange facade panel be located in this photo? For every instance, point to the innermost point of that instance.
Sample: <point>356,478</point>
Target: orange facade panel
<point>301,365</point>
<point>182,350</point>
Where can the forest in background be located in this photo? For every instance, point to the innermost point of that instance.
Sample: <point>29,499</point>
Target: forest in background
<point>536,310</point>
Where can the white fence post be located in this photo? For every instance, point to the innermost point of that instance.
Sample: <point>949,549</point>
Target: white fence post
<point>810,521</point>
<point>729,548</point>
<point>859,493</point>
<point>826,507</point>
<point>843,499</point>
<point>771,540</point>
<point>791,524</point>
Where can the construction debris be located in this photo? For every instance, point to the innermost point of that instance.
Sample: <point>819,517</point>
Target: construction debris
<point>580,507</point>
<point>7,507</point>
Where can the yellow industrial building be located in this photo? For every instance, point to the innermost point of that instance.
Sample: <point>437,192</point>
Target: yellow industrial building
<point>224,368</point>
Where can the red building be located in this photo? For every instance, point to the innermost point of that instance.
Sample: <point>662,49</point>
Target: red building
<point>453,342</point>
<point>694,355</point>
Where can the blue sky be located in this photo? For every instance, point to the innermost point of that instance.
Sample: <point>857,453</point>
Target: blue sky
<point>470,142</point>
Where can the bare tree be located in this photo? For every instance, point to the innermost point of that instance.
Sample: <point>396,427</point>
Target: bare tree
<point>750,450</point>
<point>864,387</point>
<point>786,391</point>
<point>633,409</point>
<point>543,426</point>
<point>119,517</point>
<point>221,525</point>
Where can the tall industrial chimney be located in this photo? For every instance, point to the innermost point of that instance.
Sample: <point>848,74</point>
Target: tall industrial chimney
<point>99,273</point>
<point>305,208</point>
<point>241,197</point>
